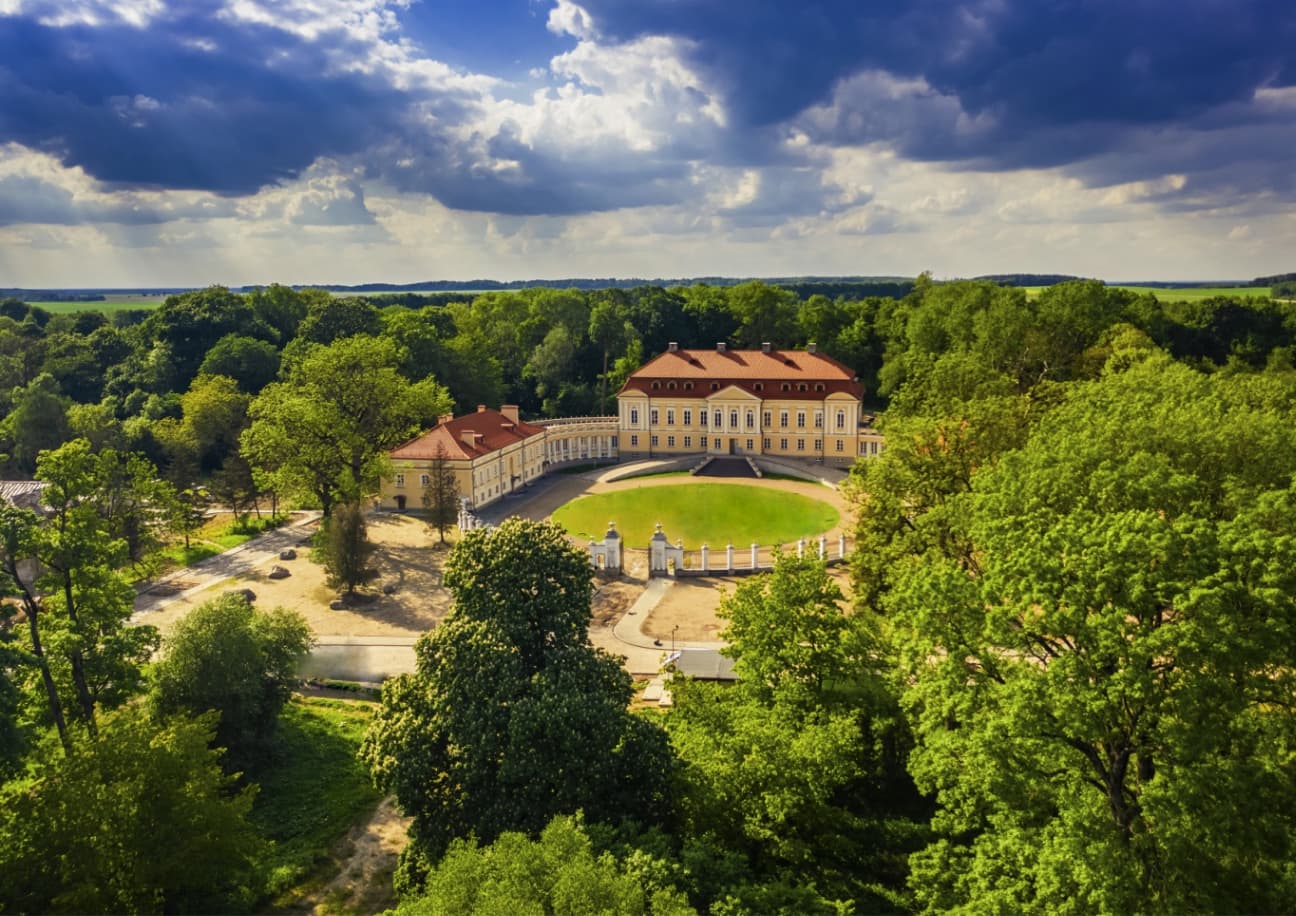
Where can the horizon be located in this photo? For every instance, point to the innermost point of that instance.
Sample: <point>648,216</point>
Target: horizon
<point>152,144</point>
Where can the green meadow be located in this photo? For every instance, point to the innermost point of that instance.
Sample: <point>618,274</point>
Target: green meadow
<point>713,513</point>
<point>1179,293</point>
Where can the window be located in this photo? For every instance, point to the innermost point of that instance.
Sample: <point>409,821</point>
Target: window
<point>800,419</point>
<point>819,386</point>
<point>670,416</point>
<point>656,385</point>
<point>800,445</point>
<point>841,446</point>
<point>652,417</point>
<point>703,441</point>
<point>702,415</point>
<point>818,445</point>
<point>768,418</point>
<point>765,443</point>
<point>873,448</point>
<point>749,445</point>
<point>818,419</point>
<point>400,480</point>
<point>841,419</point>
<point>718,418</point>
<point>759,386</point>
<point>751,419</point>
<point>688,386</point>
<point>634,440</point>
<point>634,416</point>
<point>670,386</point>
<point>688,417</point>
<point>802,387</point>
<point>653,441</point>
<point>787,387</point>
<point>670,441</point>
<point>733,419</point>
<point>688,441</point>
<point>783,418</point>
<point>715,386</point>
<point>424,480</point>
<point>783,444</point>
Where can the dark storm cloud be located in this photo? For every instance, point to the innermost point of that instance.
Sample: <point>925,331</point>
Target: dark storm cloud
<point>1008,83</point>
<point>188,102</point>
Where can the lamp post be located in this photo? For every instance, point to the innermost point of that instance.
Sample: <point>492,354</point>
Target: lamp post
<point>673,629</point>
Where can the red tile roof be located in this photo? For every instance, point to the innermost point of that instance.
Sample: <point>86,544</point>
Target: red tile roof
<point>494,431</point>
<point>744,368</point>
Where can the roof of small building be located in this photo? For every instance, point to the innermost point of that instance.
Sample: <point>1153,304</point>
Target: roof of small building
<point>744,369</point>
<point>25,494</point>
<point>493,431</point>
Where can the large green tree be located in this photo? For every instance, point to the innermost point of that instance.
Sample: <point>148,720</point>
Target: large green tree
<point>1101,677</point>
<point>512,717</point>
<point>225,655</point>
<point>94,655</point>
<point>326,428</point>
<point>139,820</point>
<point>798,768</point>
<point>559,873</point>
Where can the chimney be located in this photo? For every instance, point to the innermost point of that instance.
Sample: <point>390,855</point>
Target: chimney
<point>720,346</point>
<point>672,347</point>
<point>445,418</point>
<point>812,347</point>
<point>469,438</point>
<point>765,347</point>
<point>481,408</point>
<point>510,411</point>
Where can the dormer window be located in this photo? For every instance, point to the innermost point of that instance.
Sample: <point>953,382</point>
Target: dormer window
<point>656,385</point>
<point>759,387</point>
<point>688,386</point>
<point>787,387</point>
<point>801,387</point>
<point>670,385</point>
<point>819,386</point>
<point>715,386</point>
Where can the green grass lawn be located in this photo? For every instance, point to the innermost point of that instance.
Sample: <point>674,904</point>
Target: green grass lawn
<point>313,791</point>
<point>714,514</point>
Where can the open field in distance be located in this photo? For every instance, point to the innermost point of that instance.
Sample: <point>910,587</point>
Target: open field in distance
<point>1179,293</point>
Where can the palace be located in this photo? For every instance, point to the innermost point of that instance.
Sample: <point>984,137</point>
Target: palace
<point>777,403</point>
<point>795,404</point>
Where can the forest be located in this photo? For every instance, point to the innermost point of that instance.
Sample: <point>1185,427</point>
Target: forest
<point>1063,681</point>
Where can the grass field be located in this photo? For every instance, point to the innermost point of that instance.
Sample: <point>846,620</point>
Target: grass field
<point>1179,293</point>
<point>714,514</point>
<point>110,303</point>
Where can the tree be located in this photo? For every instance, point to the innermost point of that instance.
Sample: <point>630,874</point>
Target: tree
<point>94,656</point>
<point>325,430</point>
<point>225,655</point>
<point>799,767</point>
<point>188,325</point>
<point>17,580</point>
<point>37,422</point>
<point>766,314</point>
<point>511,717</point>
<point>252,363</point>
<point>347,549</point>
<point>609,330</point>
<point>140,820</point>
<point>1103,697</point>
<point>559,873</point>
<point>441,495</point>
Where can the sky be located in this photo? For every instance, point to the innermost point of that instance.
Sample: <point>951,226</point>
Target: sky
<point>155,143</point>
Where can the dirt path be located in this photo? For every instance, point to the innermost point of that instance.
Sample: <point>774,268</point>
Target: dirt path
<point>367,858</point>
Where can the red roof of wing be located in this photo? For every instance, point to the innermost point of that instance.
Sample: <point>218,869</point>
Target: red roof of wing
<point>744,368</point>
<point>494,431</point>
